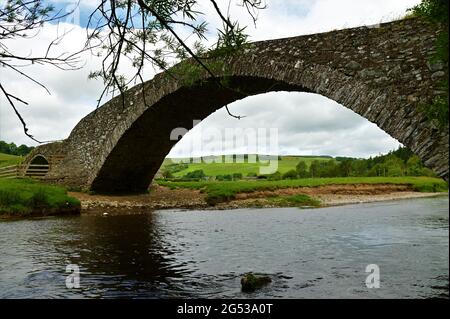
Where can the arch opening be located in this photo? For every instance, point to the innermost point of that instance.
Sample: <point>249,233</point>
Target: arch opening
<point>38,167</point>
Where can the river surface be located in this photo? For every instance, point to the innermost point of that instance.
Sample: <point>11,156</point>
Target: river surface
<point>309,253</point>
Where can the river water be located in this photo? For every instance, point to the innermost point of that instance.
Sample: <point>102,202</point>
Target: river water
<point>308,253</point>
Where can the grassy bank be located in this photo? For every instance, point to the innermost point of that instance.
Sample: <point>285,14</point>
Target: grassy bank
<point>224,191</point>
<point>7,160</point>
<point>25,197</point>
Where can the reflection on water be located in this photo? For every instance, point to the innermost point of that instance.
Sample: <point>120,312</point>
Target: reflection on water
<point>308,253</point>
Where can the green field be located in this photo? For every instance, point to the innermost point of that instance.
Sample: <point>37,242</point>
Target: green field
<point>7,160</point>
<point>23,197</point>
<point>223,191</point>
<point>213,169</point>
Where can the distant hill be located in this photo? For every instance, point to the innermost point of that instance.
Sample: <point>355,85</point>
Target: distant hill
<point>285,164</point>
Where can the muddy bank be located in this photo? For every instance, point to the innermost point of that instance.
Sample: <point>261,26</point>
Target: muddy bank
<point>161,197</point>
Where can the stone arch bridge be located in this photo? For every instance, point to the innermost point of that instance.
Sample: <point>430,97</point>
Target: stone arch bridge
<point>381,72</point>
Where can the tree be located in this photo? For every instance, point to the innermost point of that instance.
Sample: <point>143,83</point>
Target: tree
<point>436,10</point>
<point>414,166</point>
<point>345,168</point>
<point>395,166</point>
<point>302,169</point>
<point>4,147</point>
<point>327,169</point>
<point>314,169</point>
<point>146,32</point>
<point>359,167</point>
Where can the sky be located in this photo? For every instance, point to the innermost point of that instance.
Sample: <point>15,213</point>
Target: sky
<point>307,124</point>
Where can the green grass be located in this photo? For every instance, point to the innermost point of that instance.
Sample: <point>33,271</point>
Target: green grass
<point>224,191</point>
<point>213,169</point>
<point>7,160</point>
<point>22,197</point>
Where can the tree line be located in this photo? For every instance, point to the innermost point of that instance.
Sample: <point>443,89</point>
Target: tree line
<point>13,149</point>
<point>401,162</point>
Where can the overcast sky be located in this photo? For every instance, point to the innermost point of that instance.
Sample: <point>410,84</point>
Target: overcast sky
<point>308,124</point>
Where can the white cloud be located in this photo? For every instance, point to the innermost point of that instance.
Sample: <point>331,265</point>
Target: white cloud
<point>308,124</point>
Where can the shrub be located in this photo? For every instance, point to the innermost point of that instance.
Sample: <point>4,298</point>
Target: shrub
<point>292,174</point>
<point>237,176</point>
<point>275,176</point>
<point>197,174</point>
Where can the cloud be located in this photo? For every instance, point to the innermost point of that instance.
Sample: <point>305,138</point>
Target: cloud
<point>307,123</point>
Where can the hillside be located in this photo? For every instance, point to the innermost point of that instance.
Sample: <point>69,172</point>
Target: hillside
<point>7,160</point>
<point>285,164</point>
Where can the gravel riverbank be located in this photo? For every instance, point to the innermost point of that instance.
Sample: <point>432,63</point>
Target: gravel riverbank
<point>161,197</point>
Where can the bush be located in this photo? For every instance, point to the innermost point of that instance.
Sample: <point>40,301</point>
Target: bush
<point>237,176</point>
<point>292,174</point>
<point>275,176</point>
<point>167,174</point>
<point>198,174</point>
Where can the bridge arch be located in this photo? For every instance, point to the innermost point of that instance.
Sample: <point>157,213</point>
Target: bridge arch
<point>382,73</point>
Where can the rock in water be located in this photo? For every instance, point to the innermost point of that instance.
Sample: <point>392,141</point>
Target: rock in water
<point>251,282</point>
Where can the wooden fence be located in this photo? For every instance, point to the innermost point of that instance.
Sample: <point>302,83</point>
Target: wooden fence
<point>33,170</point>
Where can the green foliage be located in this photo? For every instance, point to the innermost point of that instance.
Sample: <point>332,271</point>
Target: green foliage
<point>13,149</point>
<point>437,11</point>
<point>224,168</point>
<point>292,174</point>
<point>191,73</point>
<point>392,164</point>
<point>237,176</point>
<point>227,177</point>
<point>275,176</point>
<point>437,110</point>
<point>302,169</point>
<point>167,174</point>
<point>24,196</point>
<point>198,174</point>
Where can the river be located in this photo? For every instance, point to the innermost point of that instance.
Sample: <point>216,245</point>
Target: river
<point>308,253</point>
